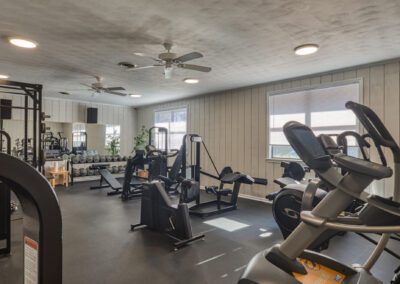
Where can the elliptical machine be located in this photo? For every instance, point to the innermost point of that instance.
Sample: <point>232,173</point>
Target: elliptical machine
<point>290,261</point>
<point>292,198</point>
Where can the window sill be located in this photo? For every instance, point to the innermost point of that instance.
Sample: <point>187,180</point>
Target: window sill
<point>279,160</point>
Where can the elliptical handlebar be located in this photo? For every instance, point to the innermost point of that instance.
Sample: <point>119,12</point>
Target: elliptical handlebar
<point>360,139</point>
<point>376,129</point>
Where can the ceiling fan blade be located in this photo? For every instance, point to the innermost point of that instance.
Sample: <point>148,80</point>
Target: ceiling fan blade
<point>195,67</point>
<point>141,54</point>
<point>116,93</point>
<point>189,56</point>
<point>65,93</point>
<point>143,67</point>
<point>115,88</point>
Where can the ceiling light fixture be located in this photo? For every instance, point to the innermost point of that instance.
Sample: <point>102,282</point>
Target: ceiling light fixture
<point>4,76</point>
<point>135,96</point>
<point>306,49</point>
<point>24,43</point>
<point>191,80</point>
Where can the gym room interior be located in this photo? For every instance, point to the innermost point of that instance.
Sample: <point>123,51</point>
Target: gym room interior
<point>199,141</point>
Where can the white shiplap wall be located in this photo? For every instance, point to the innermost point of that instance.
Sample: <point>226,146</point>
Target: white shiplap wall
<point>234,123</point>
<point>68,111</point>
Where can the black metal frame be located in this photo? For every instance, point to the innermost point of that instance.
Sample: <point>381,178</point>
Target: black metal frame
<point>216,206</point>
<point>33,93</point>
<point>5,199</point>
<point>42,222</point>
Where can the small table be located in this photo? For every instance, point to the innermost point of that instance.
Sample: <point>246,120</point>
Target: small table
<point>58,177</point>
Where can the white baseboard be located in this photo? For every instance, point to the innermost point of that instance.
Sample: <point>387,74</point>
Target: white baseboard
<point>251,197</point>
<point>255,198</point>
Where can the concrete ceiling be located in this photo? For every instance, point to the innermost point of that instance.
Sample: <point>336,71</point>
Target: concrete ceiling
<point>245,42</point>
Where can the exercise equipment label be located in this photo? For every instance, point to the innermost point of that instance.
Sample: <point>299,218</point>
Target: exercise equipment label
<point>31,261</point>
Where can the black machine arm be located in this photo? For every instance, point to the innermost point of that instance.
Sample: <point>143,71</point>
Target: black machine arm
<point>360,139</point>
<point>379,133</point>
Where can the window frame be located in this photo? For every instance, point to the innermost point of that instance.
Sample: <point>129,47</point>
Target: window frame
<point>171,110</point>
<point>313,87</point>
<point>79,134</point>
<point>119,136</point>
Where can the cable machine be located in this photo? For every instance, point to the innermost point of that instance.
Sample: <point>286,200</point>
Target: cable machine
<point>191,148</point>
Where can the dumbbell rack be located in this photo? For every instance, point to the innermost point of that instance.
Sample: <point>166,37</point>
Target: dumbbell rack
<point>72,166</point>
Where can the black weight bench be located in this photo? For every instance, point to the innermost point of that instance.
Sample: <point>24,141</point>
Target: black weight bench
<point>111,181</point>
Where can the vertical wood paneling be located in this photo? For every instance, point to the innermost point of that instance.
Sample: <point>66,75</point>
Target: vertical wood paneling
<point>235,122</point>
<point>206,135</point>
<point>67,111</point>
<point>391,115</point>
<point>364,74</point>
<point>210,142</point>
<point>262,144</point>
<point>315,81</point>
<point>222,132</point>
<point>228,128</point>
<point>254,138</point>
<point>338,76</point>
<point>62,111</point>
<point>269,167</point>
<point>235,130</point>
<point>377,88</point>
<point>326,78</point>
<point>241,133</point>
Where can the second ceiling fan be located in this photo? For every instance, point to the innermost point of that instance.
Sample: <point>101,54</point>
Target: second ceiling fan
<point>169,61</point>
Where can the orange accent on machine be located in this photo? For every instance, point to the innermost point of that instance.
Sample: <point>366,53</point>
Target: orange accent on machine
<point>318,274</point>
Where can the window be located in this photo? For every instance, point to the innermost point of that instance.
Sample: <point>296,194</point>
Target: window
<point>78,135</point>
<point>175,121</point>
<point>113,132</point>
<point>322,109</point>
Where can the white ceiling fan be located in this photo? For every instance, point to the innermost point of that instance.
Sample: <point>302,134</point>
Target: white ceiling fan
<point>98,87</point>
<point>169,61</point>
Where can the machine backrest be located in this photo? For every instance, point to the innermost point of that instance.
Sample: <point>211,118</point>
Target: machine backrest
<point>307,146</point>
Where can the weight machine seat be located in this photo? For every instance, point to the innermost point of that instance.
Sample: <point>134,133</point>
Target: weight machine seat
<point>110,179</point>
<point>374,170</point>
<point>237,177</point>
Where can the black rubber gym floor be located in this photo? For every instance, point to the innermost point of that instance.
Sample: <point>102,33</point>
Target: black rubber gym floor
<point>99,248</point>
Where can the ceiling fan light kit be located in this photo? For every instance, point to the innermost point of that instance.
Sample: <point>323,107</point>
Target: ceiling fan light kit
<point>4,77</point>
<point>191,80</point>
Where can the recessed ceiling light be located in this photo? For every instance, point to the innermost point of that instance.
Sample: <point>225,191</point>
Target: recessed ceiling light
<point>306,49</point>
<point>135,96</point>
<point>4,76</point>
<point>24,43</point>
<point>191,81</point>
